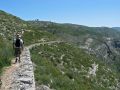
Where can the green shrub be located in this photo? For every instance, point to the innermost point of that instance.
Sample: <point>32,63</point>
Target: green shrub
<point>69,75</point>
<point>6,54</point>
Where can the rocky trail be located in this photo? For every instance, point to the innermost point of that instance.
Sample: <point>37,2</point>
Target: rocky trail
<point>20,76</point>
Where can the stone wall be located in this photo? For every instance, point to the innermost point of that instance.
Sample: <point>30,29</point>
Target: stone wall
<point>23,77</point>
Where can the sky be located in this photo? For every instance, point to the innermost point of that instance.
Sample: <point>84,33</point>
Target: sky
<point>83,12</point>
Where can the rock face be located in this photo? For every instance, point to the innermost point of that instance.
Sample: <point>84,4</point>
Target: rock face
<point>93,69</point>
<point>23,77</point>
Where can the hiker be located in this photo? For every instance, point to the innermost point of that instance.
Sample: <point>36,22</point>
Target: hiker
<point>18,47</point>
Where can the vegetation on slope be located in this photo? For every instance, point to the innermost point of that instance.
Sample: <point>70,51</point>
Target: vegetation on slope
<point>35,36</point>
<point>8,25</point>
<point>99,41</point>
<point>61,66</point>
<point>64,67</point>
<point>74,30</point>
<point>6,53</point>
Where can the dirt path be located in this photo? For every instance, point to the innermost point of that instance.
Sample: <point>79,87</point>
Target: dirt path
<point>7,76</point>
<point>20,76</point>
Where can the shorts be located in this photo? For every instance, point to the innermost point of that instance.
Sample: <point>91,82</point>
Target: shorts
<point>17,51</point>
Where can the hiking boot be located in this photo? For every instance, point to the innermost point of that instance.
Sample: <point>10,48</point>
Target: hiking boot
<point>16,60</point>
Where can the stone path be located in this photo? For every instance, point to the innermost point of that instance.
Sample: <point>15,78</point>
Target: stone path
<point>7,76</point>
<point>24,75</point>
<point>20,76</point>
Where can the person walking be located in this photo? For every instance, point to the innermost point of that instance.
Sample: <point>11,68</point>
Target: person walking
<point>18,47</point>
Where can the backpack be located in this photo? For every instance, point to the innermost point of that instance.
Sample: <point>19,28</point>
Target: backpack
<point>17,43</point>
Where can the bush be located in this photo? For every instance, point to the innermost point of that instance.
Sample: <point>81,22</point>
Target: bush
<point>6,53</point>
<point>69,75</point>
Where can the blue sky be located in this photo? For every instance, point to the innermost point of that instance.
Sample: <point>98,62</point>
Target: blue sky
<point>83,12</point>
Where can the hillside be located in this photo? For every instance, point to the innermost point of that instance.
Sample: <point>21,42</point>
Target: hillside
<point>62,66</point>
<point>117,28</point>
<point>86,58</point>
<point>9,24</point>
<point>102,42</point>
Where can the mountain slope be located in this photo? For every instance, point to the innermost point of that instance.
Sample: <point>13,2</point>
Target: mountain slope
<point>103,42</point>
<point>62,66</point>
<point>117,28</point>
<point>88,59</point>
<point>9,24</point>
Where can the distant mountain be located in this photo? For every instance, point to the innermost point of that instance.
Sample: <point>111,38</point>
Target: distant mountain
<point>74,30</point>
<point>117,28</point>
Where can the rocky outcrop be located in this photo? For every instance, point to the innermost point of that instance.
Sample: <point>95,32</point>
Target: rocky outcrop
<point>23,77</point>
